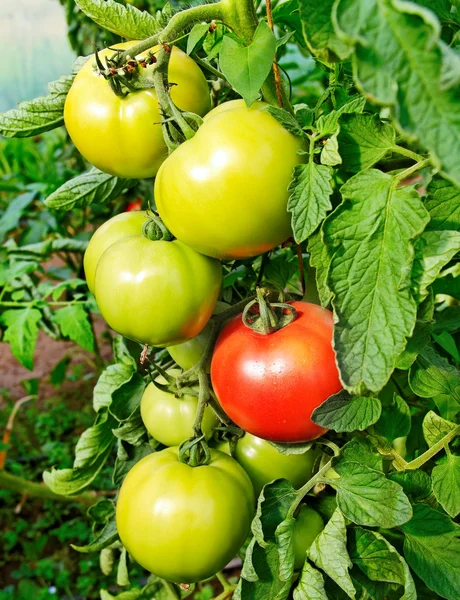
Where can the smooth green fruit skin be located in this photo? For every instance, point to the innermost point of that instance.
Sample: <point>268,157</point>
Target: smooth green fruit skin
<point>186,355</point>
<point>155,292</point>
<point>116,228</point>
<point>184,523</point>
<point>263,463</point>
<point>170,420</point>
<point>308,525</point>
<point>225,191</point>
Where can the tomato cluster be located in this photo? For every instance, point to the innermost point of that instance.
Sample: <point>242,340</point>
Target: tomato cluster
<point>184,521</point>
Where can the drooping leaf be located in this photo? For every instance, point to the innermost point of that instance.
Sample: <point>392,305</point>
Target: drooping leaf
<point>310,585</point>
<point>319,32</point>
<point>126,398</point>
<point>105,538</point>
<point>432,549</point>
<point>420,336</point>
<point>446,484</point>
<point>93,186</point>
<point>247,67</point>
<point>344,413</point>
<point>288,121</point>
<point>74,324</point>
<point>329,553</point>
<point>112,378</point>
<point>369,235</point>
<point>395,420</point>
<point>415,483</point>
<point>320,260</point>
<point>197,36</point>
<point>21,332</point>
<point>363,141</point>
<point>367,497</point>
<point>443,204</point>
<point>391,37</point>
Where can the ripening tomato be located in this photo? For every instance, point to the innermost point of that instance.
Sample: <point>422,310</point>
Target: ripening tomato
<point>184,523</point>
<point>169,419</point>
<point>308,525</point>
<point>186,355</point>
<point>269,385</point>
<point>116,228</point>
<point>225,191</point>
<point>123,136</point>
<point>134,205</point>
<point>264,463</point>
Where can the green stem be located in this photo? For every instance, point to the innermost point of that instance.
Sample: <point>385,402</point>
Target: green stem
<point>206,65</point>
<point>408,172</point>
<point>223,582</point>
<point>303,491</point>
<point>408,153</point>
<point>428,455</point>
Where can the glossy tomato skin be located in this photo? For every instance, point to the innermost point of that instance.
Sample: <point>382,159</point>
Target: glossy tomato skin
<point>264,463</point>
<point>225,191</point>
<point>269,385</point>
<point>122,136</point>
<point>184,523</point>
<point>169,419</point>
<point>156,292</point>
<point>308,525</point>
<point>186,355</point>
<point>116,228</point>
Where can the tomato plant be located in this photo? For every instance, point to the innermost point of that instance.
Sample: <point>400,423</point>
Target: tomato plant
<point>182,508</point>
<point>122,135</point>
<point>313,149</point>
<point>169,419</point>
<point>270,384</point>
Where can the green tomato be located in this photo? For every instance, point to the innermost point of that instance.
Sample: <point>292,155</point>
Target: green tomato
<point>225,191</point>
<point>308,524</point>
<point>156,292</point>
<point>123,136</point>
<point>263,463</point>
<point>169,419</point>
<point>116,228</point>
<point>184,523</point>
<point>186,355</point>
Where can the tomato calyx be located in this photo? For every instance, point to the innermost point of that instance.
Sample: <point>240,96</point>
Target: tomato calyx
<point>270,316</point>
<point>154,229</point>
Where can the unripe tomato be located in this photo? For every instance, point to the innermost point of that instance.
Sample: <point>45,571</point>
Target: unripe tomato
<point>184,523</point>
<point>116,228</point>
<point>186,355</point>
<point>264,463</point>
<point>123,136</point>
<point>169,419</point>
<point>308,525</point>
<point>269,385</point>
<point>225,191</point>
<point>156,292</point>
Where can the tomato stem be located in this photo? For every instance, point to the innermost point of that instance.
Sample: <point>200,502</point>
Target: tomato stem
<point>271,317</point>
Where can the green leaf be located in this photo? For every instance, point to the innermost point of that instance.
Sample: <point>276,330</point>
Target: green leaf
<point>364,140</point>
<point>282,267</point>
<point>433,250</point>
<point>369,275</point>
<point>123,20</point>
<point>127,457</point>
<point>319,32</point>
<point>448,319</point>
<point>329,553</point>
<point>34,117</point>
<point>395,420</point>
<point>320,260</point>
<point>330,152</point>
<point>310,585</point>
<point>13,213</point>
<point>132,431</point>
<point>447,342</point>
<point>391,37</point>
<point>273,504</point>
<point>344,413</point>
<point>379,560</point>
<point>363,450</point>
<point>435,428</point>
<point>126,398</point>
<point>421,335</point>
<point>112,378</point>
<point>367,497</point>
<point>431,376</point>
<point>21,332</point>
<point>292,448</point>
<point>414,483</point>
<point>83,190</point>
<point>74,324</point>
<point>433,551</point>
<point>328,124</point>
<point>309,201</point>
<point>122,569</point>
<point>268,583</point>
<point>288,121</point>
<point>446,484</point>
<point>105,538</point>
<point>91,453</point>
<point>285,543</point>
<point>196,36</point>
<point>443,204</point>
<point>448,284</point>
<point>247,67</point>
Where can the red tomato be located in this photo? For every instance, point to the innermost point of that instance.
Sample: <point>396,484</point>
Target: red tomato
<point>270,384</point>
<point>134,205</point>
